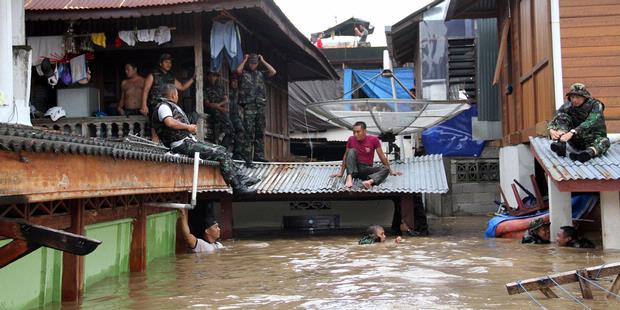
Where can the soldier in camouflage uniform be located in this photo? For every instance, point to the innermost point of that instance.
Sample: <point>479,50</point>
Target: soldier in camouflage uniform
<point>216,104</point>
<point>236,118</point>
<point>175,131</point>
<point>581,123</point>
<point>154,84</point>
<point>252,99</point>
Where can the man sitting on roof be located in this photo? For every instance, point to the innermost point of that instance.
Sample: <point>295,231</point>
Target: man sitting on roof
<point>176,132</point>
<point>568,236</point>
<point>538,232</point>
<point>358,159</point>
<point>581,123</point>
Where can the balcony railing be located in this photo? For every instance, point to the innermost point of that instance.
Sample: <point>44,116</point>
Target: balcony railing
<point>99,127</point>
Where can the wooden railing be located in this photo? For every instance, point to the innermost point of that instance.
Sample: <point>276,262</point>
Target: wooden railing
<point>99,127</point>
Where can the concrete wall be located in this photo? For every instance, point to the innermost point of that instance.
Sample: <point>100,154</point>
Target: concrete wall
<point>353,214</point>
<point>515,162</point>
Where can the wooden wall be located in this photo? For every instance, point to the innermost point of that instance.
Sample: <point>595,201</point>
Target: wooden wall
<point>591,51</point>
<point>527,68</point>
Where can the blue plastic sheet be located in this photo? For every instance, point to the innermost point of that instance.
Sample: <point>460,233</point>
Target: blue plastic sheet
<point>382,87</point>
<point>453,137</point>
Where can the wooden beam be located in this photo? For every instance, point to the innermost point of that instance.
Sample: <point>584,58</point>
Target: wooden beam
<point>137,254</point>
<point>586,291</point>
<point>562,278</point>
<point>503,47</point>
<point>615,288</point>
<point>15,250</point>
<point>73,265</point>
<point>407,209</point>
<point>199,72</point>
<point>548,292</point>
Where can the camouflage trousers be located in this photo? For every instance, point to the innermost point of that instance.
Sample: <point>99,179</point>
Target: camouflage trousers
<point>254,121</point>
<point>582,141</point>
<point>238,137</point>
<point>210,151</point>
<point>223,130</point>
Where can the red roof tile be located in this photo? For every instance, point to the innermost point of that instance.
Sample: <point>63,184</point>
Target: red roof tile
<point>37,5</point>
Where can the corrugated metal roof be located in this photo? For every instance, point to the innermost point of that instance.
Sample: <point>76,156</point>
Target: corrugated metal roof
<point>37,5</point>
<point>425,174</point>
<point>606,167</point>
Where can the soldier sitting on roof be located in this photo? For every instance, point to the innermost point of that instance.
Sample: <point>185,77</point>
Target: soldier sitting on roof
<point>568,236</point>
<point>581,123</point>
<point>538,232</point>
<point>358,159</point>
<point>175,131</point>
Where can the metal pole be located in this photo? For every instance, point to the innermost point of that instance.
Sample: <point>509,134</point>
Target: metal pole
<point>195,179</point>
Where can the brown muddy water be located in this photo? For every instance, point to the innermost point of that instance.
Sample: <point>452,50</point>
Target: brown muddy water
<point>454,268</point>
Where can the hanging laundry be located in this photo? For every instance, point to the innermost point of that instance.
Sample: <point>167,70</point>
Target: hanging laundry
<point>146,35</point>
<point>128,36</point>
<point>118,42</point>
<point>51,47</point>
<point>98,38</point>
<point>64,74</point>
<point>162,35</point>
<point>225,42</point>
<point>78,68</point>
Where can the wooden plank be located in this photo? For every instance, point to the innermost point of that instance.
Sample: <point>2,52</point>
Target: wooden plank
<point>588,21</point>
<point>577,72</point>
<point>503,45</point>
<point>615,288</point>
<point>591,41</point>
<point>582,186</point>
<point>586,291</point>
<point>591,51</point>
<point>613,125</point>
<point>548,292</point>
<point>590,10</point>
<point>137,254</point>
<point>593,82</point>
<point>562,278</point>
<point>198,71</point>
<point>73,265</point>
<point>594,31</point>
<point>601,61</point>
<point>580,3</point>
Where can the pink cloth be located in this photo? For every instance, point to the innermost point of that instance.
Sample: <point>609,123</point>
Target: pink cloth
<point>365,148</point>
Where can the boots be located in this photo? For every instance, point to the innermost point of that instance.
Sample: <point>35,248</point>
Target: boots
<point>559,148</point>
<point>582,156</point>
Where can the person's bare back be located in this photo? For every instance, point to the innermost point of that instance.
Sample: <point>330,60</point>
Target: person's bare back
<point>132,92</point>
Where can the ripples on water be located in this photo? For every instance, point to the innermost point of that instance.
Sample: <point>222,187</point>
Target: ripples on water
<point>449,270</point>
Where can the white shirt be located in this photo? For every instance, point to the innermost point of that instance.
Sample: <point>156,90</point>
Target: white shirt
<point>203,246</point>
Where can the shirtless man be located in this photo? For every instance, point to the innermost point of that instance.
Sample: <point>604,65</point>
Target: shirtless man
<point>131,92</point>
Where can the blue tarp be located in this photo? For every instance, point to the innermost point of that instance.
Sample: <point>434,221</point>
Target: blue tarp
<point>453,137</point>
<point>581,205</point>
<point>380,87</point>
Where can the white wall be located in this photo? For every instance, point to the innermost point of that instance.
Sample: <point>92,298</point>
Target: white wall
<point>353,214</point>
<point>515,162</point>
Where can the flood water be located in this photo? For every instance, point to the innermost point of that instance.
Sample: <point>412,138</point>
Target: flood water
<point>455,268</point>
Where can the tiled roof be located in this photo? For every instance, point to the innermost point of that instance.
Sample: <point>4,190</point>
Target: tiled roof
<point>425,174</point>
<point>32,139</point>
<point>36,5</point>
<point>606,167</point>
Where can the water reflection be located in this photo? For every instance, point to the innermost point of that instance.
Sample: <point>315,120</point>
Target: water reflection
<point>453,269</point>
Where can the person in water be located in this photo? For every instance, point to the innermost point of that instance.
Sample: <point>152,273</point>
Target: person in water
<point>209,241</point>
<point>569,237</point>
<point>375,234</point>
<point>538,233</point>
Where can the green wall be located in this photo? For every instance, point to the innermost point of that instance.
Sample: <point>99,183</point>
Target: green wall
<point>111,258</point>
<point>32,281</point>
<point>161,234</point>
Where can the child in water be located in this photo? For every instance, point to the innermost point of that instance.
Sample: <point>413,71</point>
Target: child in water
<point>375,234</point>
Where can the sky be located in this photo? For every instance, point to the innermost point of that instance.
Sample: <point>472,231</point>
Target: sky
<point>317,15</point>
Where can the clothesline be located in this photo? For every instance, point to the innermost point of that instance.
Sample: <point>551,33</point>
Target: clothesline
<point>89,34</point>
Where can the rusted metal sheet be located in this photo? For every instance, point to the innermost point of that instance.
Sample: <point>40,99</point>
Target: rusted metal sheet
<point>97,4</point>
<point>48,176</point>
<point>606,167</point>
<point>423,174</point>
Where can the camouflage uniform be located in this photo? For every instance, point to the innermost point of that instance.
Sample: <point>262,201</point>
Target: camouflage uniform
<point>189,144</point>
<point>252,99</point>
<point>587,120</point>
<point>222,127</point>
<point>236,118</point>
<point>160,78</point>
<point>531,236</point>
<point>367,240</point>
